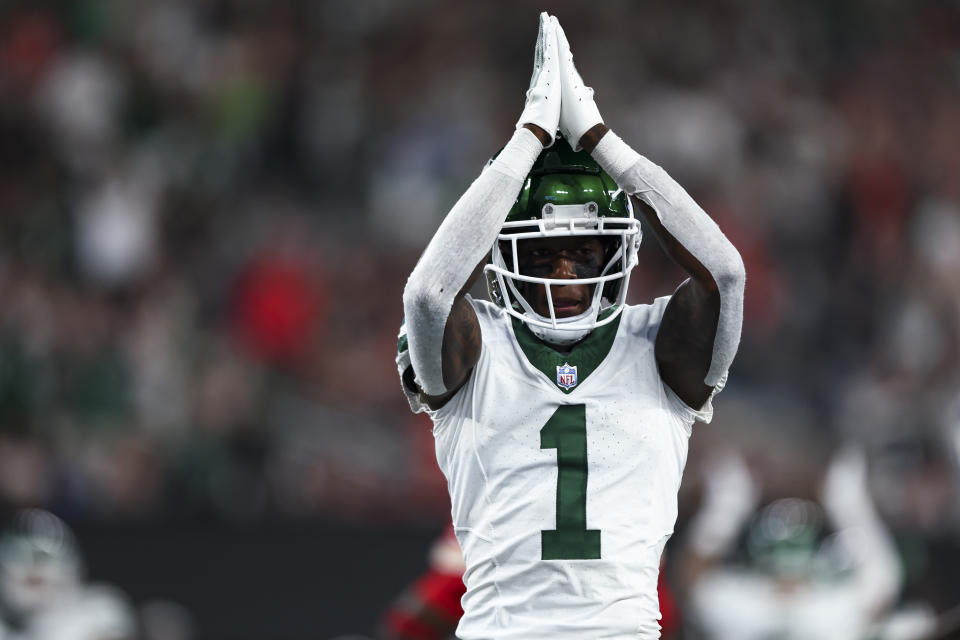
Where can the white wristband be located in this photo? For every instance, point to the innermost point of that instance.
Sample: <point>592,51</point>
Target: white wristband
<point>518,155</point>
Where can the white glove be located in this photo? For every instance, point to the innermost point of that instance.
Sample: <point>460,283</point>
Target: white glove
<point>579,112</point>
<point>877,575</point>
<point>543,96</point>
<point>730,497</point>
<point>846,492</point>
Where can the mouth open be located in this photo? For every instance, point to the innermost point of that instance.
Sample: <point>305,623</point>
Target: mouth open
<point>566,306</point>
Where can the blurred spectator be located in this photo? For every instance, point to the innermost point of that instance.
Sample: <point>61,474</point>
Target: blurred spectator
<point>207,210</point>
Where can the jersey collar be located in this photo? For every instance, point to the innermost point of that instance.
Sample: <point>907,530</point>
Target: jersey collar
<point>586,356</point>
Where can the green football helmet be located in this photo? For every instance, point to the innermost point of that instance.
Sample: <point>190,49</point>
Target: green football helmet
<point>785,536</point>
<point>39,562</point>
<point>566,194</point>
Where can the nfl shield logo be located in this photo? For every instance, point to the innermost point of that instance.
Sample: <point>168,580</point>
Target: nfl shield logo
<point>566,376</point>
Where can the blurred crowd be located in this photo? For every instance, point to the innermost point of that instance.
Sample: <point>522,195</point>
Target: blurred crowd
<point>208,210</point>
<point>195,318</point>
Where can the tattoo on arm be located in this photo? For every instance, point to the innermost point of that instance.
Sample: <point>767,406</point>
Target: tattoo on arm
<point>460,351</point>
<point>462,343</point>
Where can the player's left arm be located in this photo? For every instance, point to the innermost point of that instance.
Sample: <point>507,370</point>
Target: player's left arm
<point>700,329</point>
<point>684,346</point>
<point>876,575</point>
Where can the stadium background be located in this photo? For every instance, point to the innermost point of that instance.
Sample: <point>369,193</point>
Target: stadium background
<point>208,210</point>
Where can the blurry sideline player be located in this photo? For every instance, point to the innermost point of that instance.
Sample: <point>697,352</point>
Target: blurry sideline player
<point>42,594</point>
<point>561,414</point>
<point>814,571</point>
<point>429,609</point>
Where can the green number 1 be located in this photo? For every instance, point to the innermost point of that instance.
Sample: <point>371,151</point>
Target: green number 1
<point>566,431</point>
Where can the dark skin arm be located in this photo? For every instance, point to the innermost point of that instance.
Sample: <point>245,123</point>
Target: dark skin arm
<point>684,346</point>
<point>461,335</point>
<point>461,344</point>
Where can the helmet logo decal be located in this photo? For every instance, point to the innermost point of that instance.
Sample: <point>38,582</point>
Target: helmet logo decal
<point>566,376</point>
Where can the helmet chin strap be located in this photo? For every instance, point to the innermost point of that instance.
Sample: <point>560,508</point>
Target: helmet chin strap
<point>505,290</point>
<point>560,336</point>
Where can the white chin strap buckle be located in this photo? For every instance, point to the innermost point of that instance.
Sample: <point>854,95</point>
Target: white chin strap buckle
<point>559,336</point>
<point>580,216</point>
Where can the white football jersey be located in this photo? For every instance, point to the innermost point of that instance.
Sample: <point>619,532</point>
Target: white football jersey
<point>92,613</point>
<point>742,605</point>
<point>563,471</point>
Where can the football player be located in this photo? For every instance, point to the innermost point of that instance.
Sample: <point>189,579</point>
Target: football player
<point>813,570</point>
<point>42,593</point>
<point>562,414</point>
<point>429,609</point>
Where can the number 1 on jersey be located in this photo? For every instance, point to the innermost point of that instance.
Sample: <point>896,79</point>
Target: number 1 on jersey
<point>566,431</point>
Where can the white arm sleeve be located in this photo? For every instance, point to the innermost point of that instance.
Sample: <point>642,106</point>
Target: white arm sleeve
<point>692,227</point>
<point>464,236</point>
<point>847,501</point>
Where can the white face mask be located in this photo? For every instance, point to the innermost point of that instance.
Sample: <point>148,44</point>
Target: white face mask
<point>26,588</point>
<point>564,221</point>
<point>39,563</point>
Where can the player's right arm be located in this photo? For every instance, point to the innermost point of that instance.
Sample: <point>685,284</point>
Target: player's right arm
<point>460,348</point>
<point>442,328</point>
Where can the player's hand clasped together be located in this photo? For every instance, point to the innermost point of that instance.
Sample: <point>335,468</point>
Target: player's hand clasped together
<point>561,413</point>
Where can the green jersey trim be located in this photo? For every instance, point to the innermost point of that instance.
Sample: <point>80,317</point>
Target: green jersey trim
<point>585,356</point>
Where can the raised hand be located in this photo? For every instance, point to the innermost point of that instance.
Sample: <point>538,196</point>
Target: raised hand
<point>543,97</point>
<point>730,496</point>
<point>846,491</point>
<point>578,111</point>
